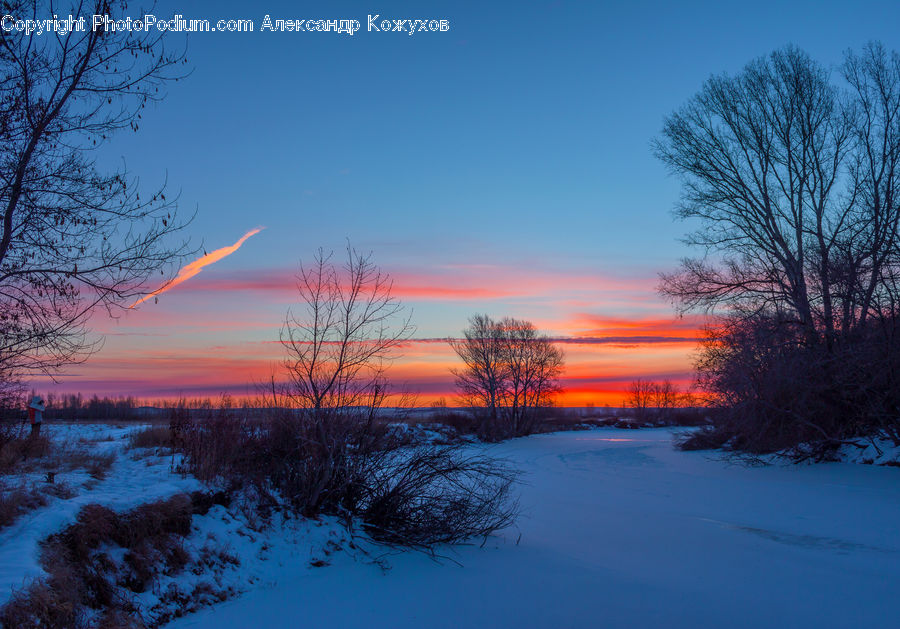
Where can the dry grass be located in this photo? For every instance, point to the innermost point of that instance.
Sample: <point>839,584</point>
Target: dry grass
<point>43,455</point>
<point>16,452</point>
<point>343,465</point>
<point>17,501</point>
<point>151,437</point>
<point>85,576</point>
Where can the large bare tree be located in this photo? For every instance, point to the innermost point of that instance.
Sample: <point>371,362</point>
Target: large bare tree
<point>791,175</point>
<point>74,236</point>
<point>792,181</point>
<point>509,371</point>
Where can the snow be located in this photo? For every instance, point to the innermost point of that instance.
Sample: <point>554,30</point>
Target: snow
<point>260,553</point>
<point>871,451</point>
<point>129,482</point>
<point>618,530</point>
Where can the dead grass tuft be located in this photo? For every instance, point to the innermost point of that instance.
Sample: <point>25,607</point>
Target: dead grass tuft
<point>84,575</point>
<point>151,437</point>
<point>17,501</point>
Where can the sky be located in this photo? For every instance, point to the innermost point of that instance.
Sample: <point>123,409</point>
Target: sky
<point>501,167</point>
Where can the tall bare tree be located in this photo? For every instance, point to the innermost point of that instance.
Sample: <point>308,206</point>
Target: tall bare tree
<point>792,176</point>
<point>74,236</point>
<point>339,343</point>
<point>509,371</point>
<point>482,379</point>
<point>793,183</point>
<point>347,332</point>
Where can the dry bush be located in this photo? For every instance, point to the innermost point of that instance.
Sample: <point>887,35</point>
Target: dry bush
<point>352,467</point>
<point>41,605</point>
<point>97,465</point>
<point>430,496</point>
<point>64,458</point>
<point>314,466</point>
<point>16,501</point>
<point>42,454</point>
<point>774,391</point>
<point>18,450</point>
<point>706,438</point>
<point>463,422</point>
<point>10,431</point>
<point>151,437</point>
<point>83,574</point>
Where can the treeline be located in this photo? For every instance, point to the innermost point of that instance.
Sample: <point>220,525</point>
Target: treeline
<point>75,407</point>
<point>78,407</point>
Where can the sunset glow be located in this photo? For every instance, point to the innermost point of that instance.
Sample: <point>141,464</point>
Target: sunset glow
<point>219,334</point>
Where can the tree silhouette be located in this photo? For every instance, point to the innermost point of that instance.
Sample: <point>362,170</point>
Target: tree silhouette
<point>74,237</point>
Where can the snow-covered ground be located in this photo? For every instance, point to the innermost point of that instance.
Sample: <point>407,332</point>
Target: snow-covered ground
<point>618,530</point>
<point>621,530</point>
<point>134,478</point>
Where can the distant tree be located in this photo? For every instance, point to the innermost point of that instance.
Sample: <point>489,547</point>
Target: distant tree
<point>640,397</point>
<point>509,372</point>
<point>649,399</point>
<point>74,237</point>
<point>666,396</point>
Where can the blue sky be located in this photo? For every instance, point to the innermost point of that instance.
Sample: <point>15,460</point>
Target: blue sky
<point>514,146</point>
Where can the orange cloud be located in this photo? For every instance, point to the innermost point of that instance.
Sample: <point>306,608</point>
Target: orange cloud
<point>190,270</point>
<point>598,328</point>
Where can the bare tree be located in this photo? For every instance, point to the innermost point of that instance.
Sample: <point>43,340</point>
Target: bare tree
<point>346,334</point>
<point>72,236</point>
<point>793,183</point>
<point>509,371</point>
<point>482,379</point>
<point>792,179</point>
<point>647,398</point>
<point>640,397</point>
<point>667,396</point>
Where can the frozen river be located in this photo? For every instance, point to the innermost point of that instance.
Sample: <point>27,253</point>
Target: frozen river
<point>620,530</point>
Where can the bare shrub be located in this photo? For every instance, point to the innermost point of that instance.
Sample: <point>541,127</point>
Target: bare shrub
<point>217,447</point>
<point>10,431</point>
<point>431,496</point>
<point>151,437</point>
<point>41,605</point>
<point>349,468</point>
<point>771,391</point>
<point>706,438</point>
<point>98,465</point>
<point>313,465</point>
<point>23,448</point>
<point>17,501</point>
<point>463,422</point>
